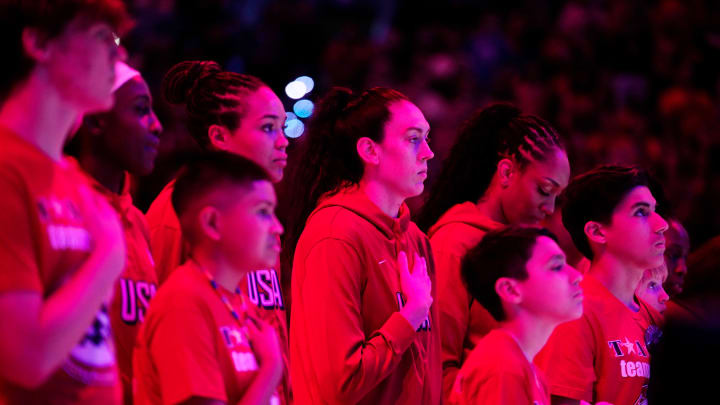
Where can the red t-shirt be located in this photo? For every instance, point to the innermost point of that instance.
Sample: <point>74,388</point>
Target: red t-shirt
<point>463,320</point>
<point>262,286</point>
<point>349,343</point>
<point>190,345</point>
<point>603,355</point>
<point>497,372</point>
<point>43,241</point>
<point>135,287</point>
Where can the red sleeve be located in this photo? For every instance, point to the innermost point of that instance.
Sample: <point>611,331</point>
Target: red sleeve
<point>568,360</point>
<point>454,308</point>
<point>499,388</point>
<point>182,348</point>
<point>17,239</point>
<point>348,363</point>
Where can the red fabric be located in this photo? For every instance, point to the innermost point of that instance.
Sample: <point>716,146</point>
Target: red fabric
<point>497,372</point>
<point>135,287</point>
<point>463,320</point>
<point>262,286</point>
<point>190,345</point>
<point>43,242</point>
<point>349,343</point>
<point>597,357</point>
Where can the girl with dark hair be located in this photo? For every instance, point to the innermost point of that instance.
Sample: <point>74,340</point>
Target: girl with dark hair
<point>505,168</point>
<point>240,114</point>
<point>61,245</point>
<point>111,147</point>
<point>362,326</point>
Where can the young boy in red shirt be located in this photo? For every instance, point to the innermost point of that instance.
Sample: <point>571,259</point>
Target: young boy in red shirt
<point>529,288</point>
<point>651,288</point>
<point>202,341</point>
<point>603,356</point>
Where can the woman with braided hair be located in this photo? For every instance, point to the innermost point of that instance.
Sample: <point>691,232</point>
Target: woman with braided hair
<point>505,168</point>
<point>240,114</point>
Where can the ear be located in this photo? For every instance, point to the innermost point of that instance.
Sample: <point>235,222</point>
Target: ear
<point>95,123</point>
<point>368,151</point>
<point>219,136</point>
<point>209,218</point>
<point>507,289</point>
<point>505,172</point>
<point>35,44</point>
<point>595,232</point>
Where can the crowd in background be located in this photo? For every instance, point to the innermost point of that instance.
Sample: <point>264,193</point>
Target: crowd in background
<point>621,81</point>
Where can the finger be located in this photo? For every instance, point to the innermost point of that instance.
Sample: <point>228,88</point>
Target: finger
<point>403,263</point>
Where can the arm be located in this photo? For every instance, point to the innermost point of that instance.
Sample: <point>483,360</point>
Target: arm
<point>341,354</point>
<point>454,309</point>
<point>43,330</point>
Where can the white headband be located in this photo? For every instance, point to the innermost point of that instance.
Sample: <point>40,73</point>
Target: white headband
<point>123,73</point>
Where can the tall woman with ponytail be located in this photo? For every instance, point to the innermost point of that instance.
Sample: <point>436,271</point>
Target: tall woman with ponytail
<point>505,168</point>
<point>363,327</point>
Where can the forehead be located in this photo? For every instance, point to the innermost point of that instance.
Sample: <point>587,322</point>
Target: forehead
<point>405,115</point>
<point>639,194</point>
<point>264,102</point>
<point>676,234</point>
<point>545,249</point>
<point>555,167</point>
<point>134,87</point>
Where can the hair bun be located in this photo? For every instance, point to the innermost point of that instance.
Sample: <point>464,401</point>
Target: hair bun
<point>181,79</point>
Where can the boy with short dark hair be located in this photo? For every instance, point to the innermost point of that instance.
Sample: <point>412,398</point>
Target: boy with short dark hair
<point>603,356</point>
<point>527,286</point>
<point>202,342</point>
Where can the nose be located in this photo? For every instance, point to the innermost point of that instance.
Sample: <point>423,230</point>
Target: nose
<point>664,297</point>
<point>155,125</point>
<point>425,152</point>
<point>277,226</point>
<point>681,267</point>
<point>548,208</point>
<point>660,224</point>
<point>281,142</point>
<point>575,276</point>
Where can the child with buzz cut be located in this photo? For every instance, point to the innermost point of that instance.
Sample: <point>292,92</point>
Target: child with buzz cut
<point>603,356</point>
<point>202,342</point>
<point>519,274</point>
<point>651,288</point>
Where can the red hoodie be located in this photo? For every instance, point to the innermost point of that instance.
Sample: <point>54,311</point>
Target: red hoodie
<point>464,321</point>
<point>349,343</point>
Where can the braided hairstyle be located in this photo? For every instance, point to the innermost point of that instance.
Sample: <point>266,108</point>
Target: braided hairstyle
<point>211,96</point>
<point>328,158</point>
<point>496,132</point>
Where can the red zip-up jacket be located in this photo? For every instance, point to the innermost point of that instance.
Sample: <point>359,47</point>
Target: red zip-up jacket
<point>348,342</point>
<point>463,320</point>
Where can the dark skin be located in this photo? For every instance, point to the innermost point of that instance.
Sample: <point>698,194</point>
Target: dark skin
<point>123,139</point>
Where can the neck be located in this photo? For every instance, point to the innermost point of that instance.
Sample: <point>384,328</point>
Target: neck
<point>225,275</point>
<point>491,206</point>
<point>529,332</point>
<point>103,170</point>
<point>388,202</point>
<point>36,112</point>
<point>619,278</point>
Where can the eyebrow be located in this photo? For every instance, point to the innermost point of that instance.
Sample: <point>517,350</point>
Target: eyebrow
<point>640,204</point>
<point>273,116</point>
<point>417,129</point>
<point>555,183</point>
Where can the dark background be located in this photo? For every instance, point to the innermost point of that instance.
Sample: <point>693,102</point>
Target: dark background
<point>623,81</point>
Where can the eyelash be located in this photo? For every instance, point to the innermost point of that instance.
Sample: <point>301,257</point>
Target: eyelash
<point>641,213</point>
<point>543,192</point>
